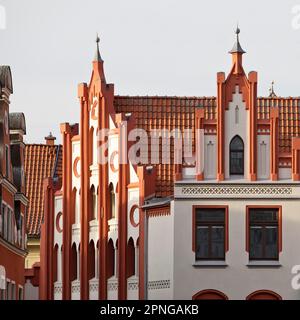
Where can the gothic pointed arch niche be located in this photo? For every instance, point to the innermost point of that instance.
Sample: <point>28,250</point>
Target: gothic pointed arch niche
<point>112,201</point>
<point>236,156</point>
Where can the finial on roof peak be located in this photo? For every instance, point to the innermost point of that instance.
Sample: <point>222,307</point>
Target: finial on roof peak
<point>97,55</point>
<point>271,90</point>
<point>237,47</point>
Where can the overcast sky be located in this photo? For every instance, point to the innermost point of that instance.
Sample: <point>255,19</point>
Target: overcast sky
<point>157,47</point>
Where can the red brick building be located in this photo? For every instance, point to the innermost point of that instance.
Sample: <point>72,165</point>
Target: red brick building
<point>12,194</point>
<point>41,161</point>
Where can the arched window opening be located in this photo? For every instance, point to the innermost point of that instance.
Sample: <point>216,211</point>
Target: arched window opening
<point>137,255</point>
<point>93,203</point>
<point>110,268</point>
<point>60,264</point>
<point>77,207</point>
<point>210,295</point>
<point>78,263</point>
<point>74,209</point>
<point>112,201</point>
<point>116,258</point>
<point>237,156</point>
<point>130,258</point>
<point>264,295</point>
<point>91,256</point>
<point>97,271</point>
<point>74,261</point>
<point>91,146</point>
<point>55,263</point>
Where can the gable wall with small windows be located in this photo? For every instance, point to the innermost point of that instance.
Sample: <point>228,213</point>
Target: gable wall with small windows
<point>236,124</point>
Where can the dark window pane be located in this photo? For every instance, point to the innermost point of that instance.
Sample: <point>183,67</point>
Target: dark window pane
<point>263,215</point>
<point>202,243</point>
<point>237,163</point>
<point>271,234</point>
<point>210,215</point>
<point>217,242</point>
<point>236,156</point>
<point>236,144</point>
<point>256,245</point>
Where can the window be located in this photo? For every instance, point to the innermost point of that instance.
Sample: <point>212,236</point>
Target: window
<point>13,291</point>
<point>112,200</point>
<point>130,258</point>
<point>110,268</point>
<point>4,222</point>
<point>210,233</point>
<point>210,295</point>
<point>21,231</point>
<point>8,232</point>
<point>55,260</point>
<point>20,294</point>
<point>93,203</point>
<point>74,262</point>
<point>8,290</point>
<point>237,156</point>
<point>263,234</point>
<point>264,295</point>
<point>7,161</point>
<point>1,222</point>
<point>91,259</point>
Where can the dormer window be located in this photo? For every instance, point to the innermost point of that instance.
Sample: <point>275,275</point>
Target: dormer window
<point>237,156</point>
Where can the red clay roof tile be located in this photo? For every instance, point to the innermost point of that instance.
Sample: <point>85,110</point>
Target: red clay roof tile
<point>40,163</point>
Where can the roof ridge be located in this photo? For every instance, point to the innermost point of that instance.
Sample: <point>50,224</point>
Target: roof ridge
<point>42,145</point>
<point>166,96</point>
<point>196,97</point>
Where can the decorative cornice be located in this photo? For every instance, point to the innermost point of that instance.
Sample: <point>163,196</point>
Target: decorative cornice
<point>22,198</point>
<point>13,248</point>
<point>6,183</point>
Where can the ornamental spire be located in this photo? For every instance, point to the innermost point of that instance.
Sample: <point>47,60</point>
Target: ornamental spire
<point>271,90</point>
<point>237,47</point>
<point>97,55</point>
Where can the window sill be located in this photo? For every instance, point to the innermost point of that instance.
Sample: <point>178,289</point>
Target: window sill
<point>264,263</point>
<point>210,263</point>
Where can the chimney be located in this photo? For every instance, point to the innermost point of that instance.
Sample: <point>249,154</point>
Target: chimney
<point>50,139</point>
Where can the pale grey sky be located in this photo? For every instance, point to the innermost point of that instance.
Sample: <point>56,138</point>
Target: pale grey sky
<point>154,47</point>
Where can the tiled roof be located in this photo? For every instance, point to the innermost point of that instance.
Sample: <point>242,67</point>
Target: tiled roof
<point>165,112</point>
<point>178,112</point>
<point>41,161</point>
<point>289,118</point>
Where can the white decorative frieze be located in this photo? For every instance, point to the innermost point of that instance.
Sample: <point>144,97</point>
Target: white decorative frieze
<point>57,288</point>
<point>76,287</point>
<point>93,285</point>
<point>132,284</point>
<point>112,285</point>
<point>160,284</point>
<point>237,191</point>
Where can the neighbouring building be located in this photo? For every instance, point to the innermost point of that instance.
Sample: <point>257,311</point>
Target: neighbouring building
<point>13,200</point>
<point>41,161</point>
<point>219,223</point>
